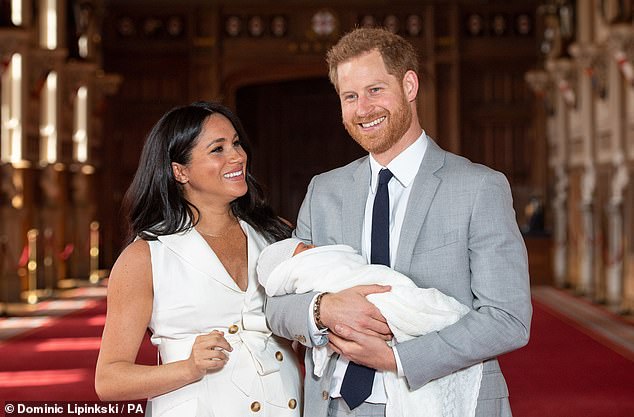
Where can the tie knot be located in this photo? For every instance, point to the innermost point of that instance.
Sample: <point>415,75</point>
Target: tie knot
<point>385,175</point>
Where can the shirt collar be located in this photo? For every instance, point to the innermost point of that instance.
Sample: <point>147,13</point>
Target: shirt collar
<point>404,166</point>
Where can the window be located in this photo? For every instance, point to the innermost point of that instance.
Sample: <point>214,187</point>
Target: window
<point>48,121</point>
<point>48,24</point>
<point>16,12</point>
<point>11,130</point>
<point>80,136</point>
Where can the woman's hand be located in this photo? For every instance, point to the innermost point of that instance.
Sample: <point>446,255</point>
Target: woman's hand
<point>208,354</point>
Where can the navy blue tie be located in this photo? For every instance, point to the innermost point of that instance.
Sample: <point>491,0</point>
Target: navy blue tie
<point>356,386</point>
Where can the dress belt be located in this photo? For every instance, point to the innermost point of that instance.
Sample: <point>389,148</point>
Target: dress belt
<point>249,346</point>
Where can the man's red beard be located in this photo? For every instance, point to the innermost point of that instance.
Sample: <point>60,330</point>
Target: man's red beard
<point>391,130</point>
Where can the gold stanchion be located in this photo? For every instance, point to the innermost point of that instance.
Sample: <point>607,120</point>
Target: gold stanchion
<point>30,294</point>
<point>48,252</point>
<point>94,253</point>
<point>4,285</point>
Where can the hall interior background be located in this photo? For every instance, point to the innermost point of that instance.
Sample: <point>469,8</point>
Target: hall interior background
<point>540,90</point>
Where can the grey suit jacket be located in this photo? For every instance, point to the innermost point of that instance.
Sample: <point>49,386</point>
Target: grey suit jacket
<point>460,236</point>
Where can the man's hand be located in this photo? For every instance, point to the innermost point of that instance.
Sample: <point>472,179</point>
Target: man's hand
<point>360,348</point>
<point>350,308</point>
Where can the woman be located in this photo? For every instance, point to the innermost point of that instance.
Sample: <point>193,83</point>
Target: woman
<point>200,221</point>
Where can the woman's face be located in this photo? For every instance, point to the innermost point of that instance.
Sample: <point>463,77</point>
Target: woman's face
<point>216,173</point>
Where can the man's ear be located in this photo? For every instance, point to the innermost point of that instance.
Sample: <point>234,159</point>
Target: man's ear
<point>180,173</point>
<point>410,85</point>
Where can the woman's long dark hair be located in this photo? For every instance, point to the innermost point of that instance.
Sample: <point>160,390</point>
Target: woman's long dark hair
<point>155,204</point>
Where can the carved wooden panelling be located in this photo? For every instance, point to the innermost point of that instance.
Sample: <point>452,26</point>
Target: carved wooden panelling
<point>164,27</point>
<point>287,154</point>
<point>267,62</point>
<point>497,120</point>
<point>497,24</point>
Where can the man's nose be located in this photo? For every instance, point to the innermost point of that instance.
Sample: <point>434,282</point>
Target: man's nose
<point>364,106</point>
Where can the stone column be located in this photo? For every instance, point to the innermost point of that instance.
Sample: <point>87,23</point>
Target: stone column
<point>559,132</point>
<point>620,76</point>
<point>586,55</point>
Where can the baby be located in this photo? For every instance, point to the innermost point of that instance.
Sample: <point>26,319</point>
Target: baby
<point>292,267</point>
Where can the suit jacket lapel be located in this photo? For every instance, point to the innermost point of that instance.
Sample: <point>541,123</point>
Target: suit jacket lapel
<point>422,194</point>
<point>355,195</point>
<point>192,248</point>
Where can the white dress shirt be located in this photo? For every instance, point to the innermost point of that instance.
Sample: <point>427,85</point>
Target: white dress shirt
<point>404,168</point>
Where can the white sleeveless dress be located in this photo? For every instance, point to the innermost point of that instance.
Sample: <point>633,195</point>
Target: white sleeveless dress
<point>193,295</point>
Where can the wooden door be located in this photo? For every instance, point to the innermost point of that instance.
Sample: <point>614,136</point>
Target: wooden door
<point>296,132</point>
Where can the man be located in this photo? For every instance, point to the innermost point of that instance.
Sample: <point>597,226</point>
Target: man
<point>436,217</point>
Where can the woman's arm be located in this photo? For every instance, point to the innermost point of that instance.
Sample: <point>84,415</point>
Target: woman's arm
<point>130,298</point>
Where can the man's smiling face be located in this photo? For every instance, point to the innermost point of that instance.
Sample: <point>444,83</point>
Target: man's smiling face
<point>374,108</point>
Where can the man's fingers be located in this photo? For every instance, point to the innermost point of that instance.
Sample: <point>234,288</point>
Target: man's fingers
<point>382,336</point>
<point>344,331</point>
<point>373,289</point>
<point>379,326</point>
<point>376,315</point>
<point>334,347</point>
<point>337,343</point>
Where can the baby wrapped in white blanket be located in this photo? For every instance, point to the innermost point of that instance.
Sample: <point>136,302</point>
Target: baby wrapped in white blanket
<point>410,311</point>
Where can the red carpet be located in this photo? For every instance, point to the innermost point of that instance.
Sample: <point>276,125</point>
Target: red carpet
<point>57,361</point>
<point>561,373</point>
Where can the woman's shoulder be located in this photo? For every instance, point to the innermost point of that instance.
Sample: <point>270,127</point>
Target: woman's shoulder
<point>137,248</point>
<point>135,255</point>
<point>133,269</point>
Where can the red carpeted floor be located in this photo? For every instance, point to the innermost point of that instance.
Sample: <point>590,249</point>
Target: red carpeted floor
<point>57,361</point>
<point>563,372</point>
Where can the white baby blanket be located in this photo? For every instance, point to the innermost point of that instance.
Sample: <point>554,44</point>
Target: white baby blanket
<point>410,312</point>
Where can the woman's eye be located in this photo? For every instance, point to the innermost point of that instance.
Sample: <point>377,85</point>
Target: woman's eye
<point>216,149</point>
<point>237,144</point>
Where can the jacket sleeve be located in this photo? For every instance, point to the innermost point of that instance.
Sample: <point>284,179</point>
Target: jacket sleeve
<point>500,319</point>
<point>288,315</point>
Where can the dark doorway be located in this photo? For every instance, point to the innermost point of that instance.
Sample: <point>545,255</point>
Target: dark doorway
<point>296,131</point>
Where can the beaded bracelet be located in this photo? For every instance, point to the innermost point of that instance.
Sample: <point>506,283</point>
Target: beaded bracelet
<point>317,311</point>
